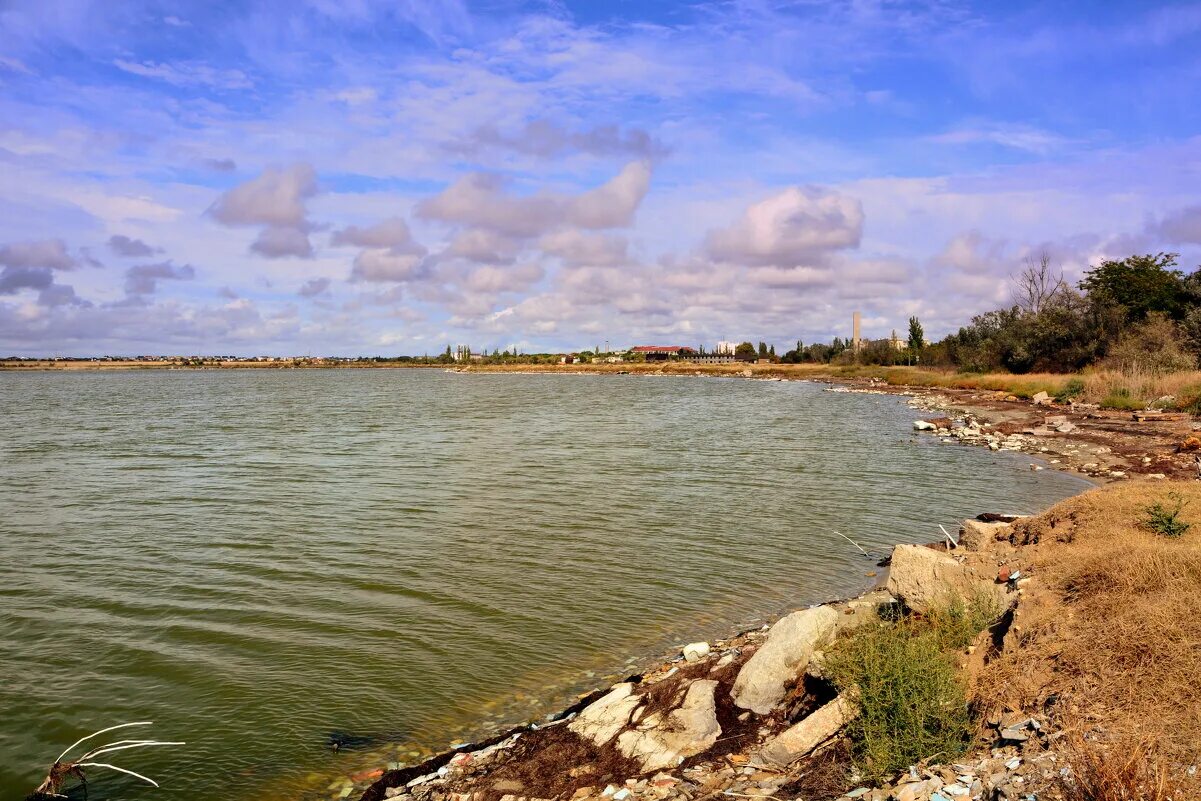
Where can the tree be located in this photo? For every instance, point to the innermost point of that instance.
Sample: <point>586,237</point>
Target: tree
<point>1037,286</point>
<point>745,352</point>
<point>771,351</point>
<point>1139,284</point>
<point>1153,346</point>
<point>762,350</point>
<point>917,337</point>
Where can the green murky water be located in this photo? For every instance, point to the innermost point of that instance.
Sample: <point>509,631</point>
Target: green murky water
<point>259,560</point>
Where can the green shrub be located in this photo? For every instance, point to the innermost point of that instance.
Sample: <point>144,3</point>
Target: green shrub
<point>911,702</point>
<point>1074,388</point>
<point>957,624</point>
<point>1164,520</point>
<point>1121,398</point>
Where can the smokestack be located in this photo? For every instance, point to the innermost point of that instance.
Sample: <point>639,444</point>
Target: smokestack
<point>855,330</point>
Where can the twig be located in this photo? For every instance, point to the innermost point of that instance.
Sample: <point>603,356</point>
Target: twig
<point>114,767</point>
<point>102,731</point>
<point>950,541</point>
<point>848,539</point>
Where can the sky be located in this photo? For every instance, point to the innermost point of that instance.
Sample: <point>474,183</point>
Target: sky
<point>360,177</point>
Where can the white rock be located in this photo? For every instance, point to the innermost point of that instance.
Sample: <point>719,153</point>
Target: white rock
<point>601,720</point>
<point>695,651</point>
<point>783,657</point>
<point>664,741</point>
<point>922,425</point>
<point>800,739</point>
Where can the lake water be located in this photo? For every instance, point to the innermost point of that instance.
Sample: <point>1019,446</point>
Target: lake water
<point>258,560</point>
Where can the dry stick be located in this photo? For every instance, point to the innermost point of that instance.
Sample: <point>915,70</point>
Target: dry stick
<point>848,539</point>
<point>102,731</point>
<point>950,541</point>
<point>115,747</point>
<point>114,767</point>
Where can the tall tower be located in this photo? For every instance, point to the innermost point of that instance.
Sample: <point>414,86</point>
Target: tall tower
<point>855,331</point>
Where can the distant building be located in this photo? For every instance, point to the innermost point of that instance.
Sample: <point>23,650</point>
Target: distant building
<point>661,353</point>
<point>711,358</point>
<point>726,348</point>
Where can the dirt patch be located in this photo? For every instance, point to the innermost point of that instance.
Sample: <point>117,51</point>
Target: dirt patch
<point>554,762</point>
<point>823,776</point>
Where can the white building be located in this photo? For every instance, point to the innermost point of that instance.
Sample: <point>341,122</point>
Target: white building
<point>726,348</point>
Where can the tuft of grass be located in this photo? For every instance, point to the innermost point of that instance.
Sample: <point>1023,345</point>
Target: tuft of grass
<point>1166,520</point>
<point>1121,398</point>
<point>1123,771</point>
<point>958,623</point>
<point>912,703</point>
<point>1073,389</point>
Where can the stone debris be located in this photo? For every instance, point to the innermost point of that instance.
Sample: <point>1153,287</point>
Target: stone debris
<point>660,741</point>
<point>695,651</point>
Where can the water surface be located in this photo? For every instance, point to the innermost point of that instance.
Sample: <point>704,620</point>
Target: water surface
<point>258,559</point>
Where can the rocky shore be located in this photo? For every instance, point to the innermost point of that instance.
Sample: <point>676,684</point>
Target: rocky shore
<point>756,715</point>
<point>753,715</point>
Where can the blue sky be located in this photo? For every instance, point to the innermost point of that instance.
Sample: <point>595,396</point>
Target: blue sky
<point>363,177</point>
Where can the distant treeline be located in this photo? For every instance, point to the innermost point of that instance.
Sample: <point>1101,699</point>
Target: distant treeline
<point>1137,314</point>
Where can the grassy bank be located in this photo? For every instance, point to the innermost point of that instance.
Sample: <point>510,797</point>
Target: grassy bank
<point>1111,389</point>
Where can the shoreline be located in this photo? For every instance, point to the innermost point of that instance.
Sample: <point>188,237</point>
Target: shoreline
<point>443,764</point>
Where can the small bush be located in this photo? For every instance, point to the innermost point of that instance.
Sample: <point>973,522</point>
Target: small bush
<point>1120,398</point>
<point>957,624</point>
<point>911,702</point>
<point>1074,388</point>
<point>1164,520</point>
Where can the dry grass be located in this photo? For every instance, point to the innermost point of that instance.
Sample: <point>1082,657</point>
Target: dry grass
<point>1109,636</point>
<point>1123,771</point>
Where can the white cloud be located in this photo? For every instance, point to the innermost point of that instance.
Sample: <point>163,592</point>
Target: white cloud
<point>792,227</point>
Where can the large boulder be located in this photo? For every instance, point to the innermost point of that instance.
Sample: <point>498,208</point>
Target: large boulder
<point>661,741</point>
<point>926,579</point>
<point>601,720</point>
<point>802,738</point>
<point>764,679</point>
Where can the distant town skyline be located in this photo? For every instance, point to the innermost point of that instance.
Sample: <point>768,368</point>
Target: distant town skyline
<point>375,177</point>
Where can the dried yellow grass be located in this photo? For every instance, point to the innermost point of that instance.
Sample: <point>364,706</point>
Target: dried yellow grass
<point>1109,635</point>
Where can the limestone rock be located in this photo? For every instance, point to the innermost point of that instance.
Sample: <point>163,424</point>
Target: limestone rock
<point>922,425</point>
<point>1041,399</point>
<point>695,651</point>
<point>975,534</point>
<point>664,741</point>
<point>926,579</point>
<point>763,680</point>
<point>800,739</point>
<point>601,720</point>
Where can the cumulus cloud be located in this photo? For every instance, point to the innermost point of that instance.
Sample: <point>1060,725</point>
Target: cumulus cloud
<point>314,287</point>
<point>276,243</point>
<point>275,200</point>
<point>14,279</point>
<point>49,253</point>
<point>390,233</point>
<point>124,246</point>
<point>576,248</point>
<point>479,200</point>
<point>142,279</point>
<point>479,245</point>
<point>793,227</point>
<point>382,264</point>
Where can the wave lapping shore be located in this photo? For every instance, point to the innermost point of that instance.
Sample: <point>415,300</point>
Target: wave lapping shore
<point>766,713</point>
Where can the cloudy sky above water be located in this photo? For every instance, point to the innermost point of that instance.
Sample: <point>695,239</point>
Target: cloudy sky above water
<point>363,177</point>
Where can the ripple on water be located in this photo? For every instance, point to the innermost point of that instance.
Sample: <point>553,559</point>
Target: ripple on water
<point>257,559</point>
